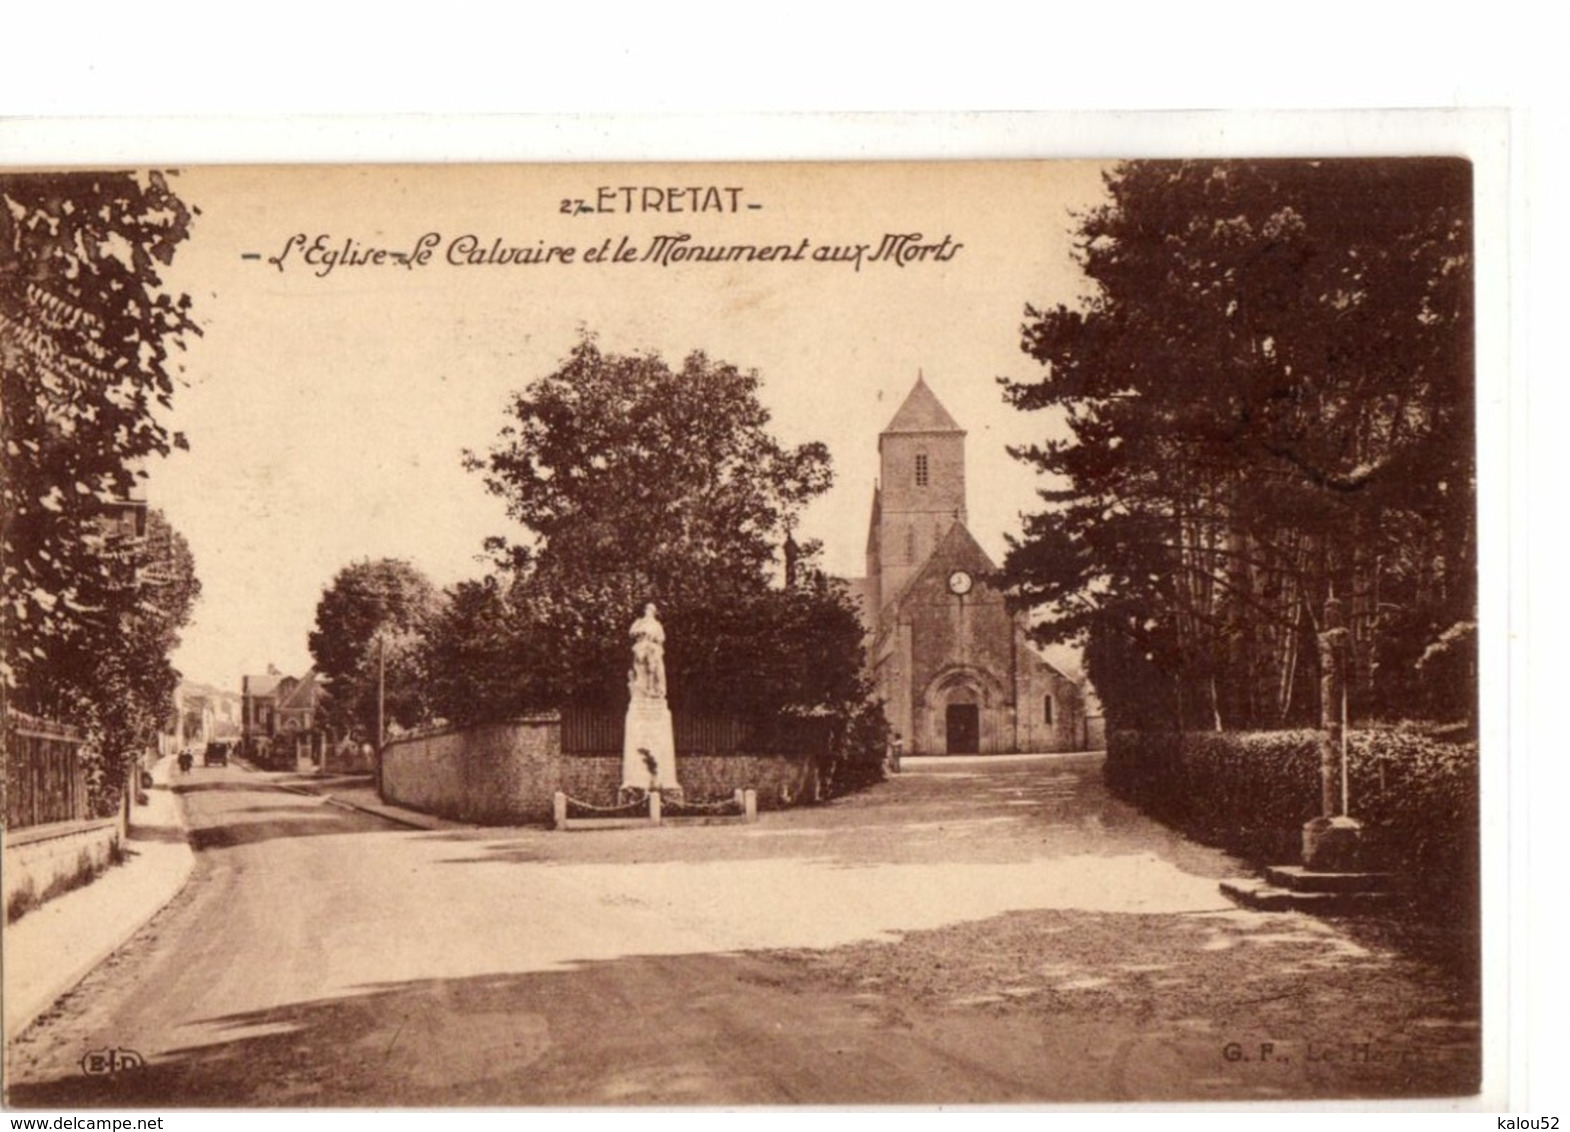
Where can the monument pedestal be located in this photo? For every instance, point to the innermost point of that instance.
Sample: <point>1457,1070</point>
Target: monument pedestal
<point>648,752</point>
<point>1334,877</point>
<point>1333,845</point>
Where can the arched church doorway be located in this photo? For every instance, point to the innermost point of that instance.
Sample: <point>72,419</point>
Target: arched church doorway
<point>958,712</point>
<point>962,724</point>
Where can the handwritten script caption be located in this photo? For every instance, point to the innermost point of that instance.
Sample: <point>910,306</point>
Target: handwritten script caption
<point>323,254</point>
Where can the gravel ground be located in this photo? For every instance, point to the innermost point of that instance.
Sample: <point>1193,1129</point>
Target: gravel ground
<point>1002,933</point>
<point>1022,895</point>
<point>1340,1019</point>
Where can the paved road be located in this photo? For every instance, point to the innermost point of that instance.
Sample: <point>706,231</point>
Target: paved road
<point>989,932</point>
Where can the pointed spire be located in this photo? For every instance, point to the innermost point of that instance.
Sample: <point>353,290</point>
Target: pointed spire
<point>922,412</point>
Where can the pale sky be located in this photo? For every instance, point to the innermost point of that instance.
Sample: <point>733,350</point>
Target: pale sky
<point>327,414</point>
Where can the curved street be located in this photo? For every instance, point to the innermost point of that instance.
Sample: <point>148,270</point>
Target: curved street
<point>973,931</point>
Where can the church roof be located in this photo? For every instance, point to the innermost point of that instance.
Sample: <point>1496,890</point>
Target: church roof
<point>263,685</point>
<point>922,412</point>
<point>302,694</point>
<point>1063,660</point>
<point>956,550</point>
<point>959,548</point>
<point>874,526</point>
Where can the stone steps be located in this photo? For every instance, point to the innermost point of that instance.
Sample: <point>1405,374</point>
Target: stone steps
<point>1292,888</point>
<point>1300,879</point>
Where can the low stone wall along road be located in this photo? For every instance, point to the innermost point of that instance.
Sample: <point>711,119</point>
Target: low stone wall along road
<point>970,932</point>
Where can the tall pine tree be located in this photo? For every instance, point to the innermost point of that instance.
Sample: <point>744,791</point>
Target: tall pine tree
<point>1269,400</point>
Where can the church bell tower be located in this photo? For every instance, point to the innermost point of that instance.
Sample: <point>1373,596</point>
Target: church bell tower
<point>921,488</point>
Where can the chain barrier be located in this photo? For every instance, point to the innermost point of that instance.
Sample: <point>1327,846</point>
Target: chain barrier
<point>711,807</point>
<point>632,807</point>
<point>640,805</point>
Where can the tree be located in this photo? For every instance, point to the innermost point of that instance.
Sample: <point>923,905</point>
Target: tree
<point>1269,403</point>
<point>86,330</point>
<point>477,652</point>
<point>128,690</point>
<point>92,607</point>
<point>118,683</point>
<point>634,483</point>
<point>374,615</point>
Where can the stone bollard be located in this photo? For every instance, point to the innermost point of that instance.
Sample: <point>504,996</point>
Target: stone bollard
<point>559,810</point>
<point>750,804</point>
<point>654,807</point>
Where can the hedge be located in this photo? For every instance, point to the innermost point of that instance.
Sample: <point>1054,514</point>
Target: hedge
<point>1251,793</point>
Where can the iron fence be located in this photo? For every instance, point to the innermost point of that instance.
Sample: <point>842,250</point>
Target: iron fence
<point>44,777</point>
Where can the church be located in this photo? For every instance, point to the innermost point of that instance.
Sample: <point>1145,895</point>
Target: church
<point>954,668</point>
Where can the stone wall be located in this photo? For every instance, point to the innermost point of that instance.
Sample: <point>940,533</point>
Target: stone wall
<point>508,773</point>
<point>780,780</point>
<point>493,774</point>
<point>44,860</point>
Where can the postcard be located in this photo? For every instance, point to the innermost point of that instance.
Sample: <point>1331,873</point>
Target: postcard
<point>875,633</point>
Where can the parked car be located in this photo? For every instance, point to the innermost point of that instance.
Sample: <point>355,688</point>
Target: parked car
<point>216,754</point>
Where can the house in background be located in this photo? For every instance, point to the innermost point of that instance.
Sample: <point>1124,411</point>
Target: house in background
<point>258,708</point>
<point>297,701</point>
<point>278,717</point>
<point>954,667</point>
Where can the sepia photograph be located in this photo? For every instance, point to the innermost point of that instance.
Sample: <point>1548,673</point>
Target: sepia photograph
<point>648,635</point>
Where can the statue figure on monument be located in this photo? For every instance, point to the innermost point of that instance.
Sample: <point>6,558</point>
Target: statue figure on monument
<point>647,678</point>
<point>648,740</point>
